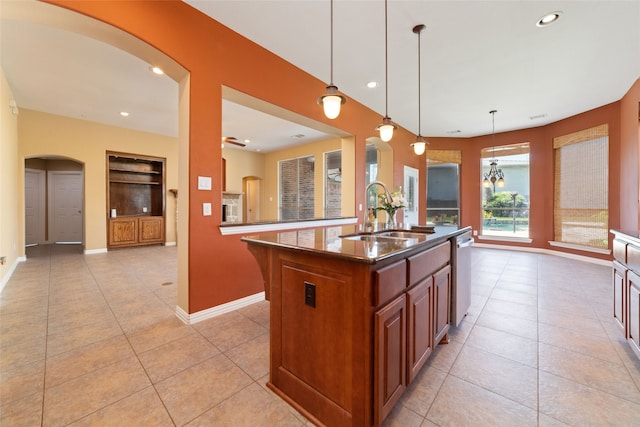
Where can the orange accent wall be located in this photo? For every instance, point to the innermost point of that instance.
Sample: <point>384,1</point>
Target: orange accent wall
<point>221,269</point>
<point>541,171</point>
<point>630,158</point>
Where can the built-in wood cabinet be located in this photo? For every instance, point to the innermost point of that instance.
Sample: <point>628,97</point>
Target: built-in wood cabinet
<point>135,200</point>
<point>626,286</point>
<point>408,328</point>
<point>620,295</point>
<point>633,335</point>
<point>390,380</point>
<point>347,336</point>
<point>419,327</point>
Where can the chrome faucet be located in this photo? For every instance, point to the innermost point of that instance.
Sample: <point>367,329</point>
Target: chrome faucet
<point>366,199</point>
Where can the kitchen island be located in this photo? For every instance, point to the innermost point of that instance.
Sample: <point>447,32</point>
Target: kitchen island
<point>353,315</point>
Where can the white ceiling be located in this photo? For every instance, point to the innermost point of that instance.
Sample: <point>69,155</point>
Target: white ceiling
<point>476,56</point>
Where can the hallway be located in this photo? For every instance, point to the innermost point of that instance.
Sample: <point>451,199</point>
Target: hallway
<point>94,340</point>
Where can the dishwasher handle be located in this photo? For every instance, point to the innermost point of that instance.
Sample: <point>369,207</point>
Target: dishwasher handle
<point>466,243</point>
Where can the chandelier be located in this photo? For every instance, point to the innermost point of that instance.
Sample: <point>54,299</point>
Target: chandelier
<point>495,176</point>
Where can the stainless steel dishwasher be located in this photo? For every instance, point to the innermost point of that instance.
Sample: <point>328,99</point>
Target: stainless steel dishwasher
<point>461,280</point>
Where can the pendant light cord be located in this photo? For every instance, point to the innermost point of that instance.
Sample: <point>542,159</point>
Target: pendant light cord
<point>493,132</point>
<point>419,100</point>
<point>386,64</point>
<point>331,38</point>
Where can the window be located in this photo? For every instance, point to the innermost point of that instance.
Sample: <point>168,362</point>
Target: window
<point>505,210</point>
<point>581,196</point>
<point>297,189</point>
<point>333,184</point>
<point>443,186</point>
<point>371,164</point>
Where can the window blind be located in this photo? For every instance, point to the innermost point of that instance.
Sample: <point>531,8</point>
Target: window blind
<point>581,195</point>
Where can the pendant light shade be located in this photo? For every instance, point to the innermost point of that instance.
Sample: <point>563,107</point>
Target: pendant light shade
<point>332,100</point>
<point>420,146</point>
<point>387,127</point>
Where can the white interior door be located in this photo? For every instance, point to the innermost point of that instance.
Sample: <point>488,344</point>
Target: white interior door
<point>411,195</point>
<point>253,200</point>
<point>34,206</point>
<point>66,202</point>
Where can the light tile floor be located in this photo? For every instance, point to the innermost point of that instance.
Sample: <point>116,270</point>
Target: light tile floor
<point>90,340</point>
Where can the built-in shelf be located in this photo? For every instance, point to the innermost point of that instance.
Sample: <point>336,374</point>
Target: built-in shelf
<point>135,200</point>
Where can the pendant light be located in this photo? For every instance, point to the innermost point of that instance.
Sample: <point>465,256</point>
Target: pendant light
<point>387,127</point>
<point>495,176</point>
<point>332,100</point>
<point>420,145</point>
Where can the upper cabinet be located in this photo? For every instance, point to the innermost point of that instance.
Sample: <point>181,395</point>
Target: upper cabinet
<point>135,199</point>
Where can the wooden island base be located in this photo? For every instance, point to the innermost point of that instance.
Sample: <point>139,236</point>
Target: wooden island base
<point>348,335</point>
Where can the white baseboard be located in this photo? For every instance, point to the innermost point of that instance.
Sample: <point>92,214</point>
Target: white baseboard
<point>170,243</point>
<point>7,276</point>
<point>598,261</point>
<point>199,316</point>
<point>95,251</point>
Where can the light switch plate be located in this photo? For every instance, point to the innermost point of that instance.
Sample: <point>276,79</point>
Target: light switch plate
<point>206,209</point>
<point>204,183</point>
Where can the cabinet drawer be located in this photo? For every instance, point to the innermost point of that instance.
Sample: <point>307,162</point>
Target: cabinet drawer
<point>620,250</point>
<point>389,281</point>
<point>428,262</point>
<point>633,258</point>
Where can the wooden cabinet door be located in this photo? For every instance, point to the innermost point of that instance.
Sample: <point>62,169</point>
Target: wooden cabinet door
<point>633,327</point>
<point>620,296</point>
<point>123,231</point>
<point>151,230</point>
<point>442,298</point>
<point>419,326</point>
<point>389,357</point>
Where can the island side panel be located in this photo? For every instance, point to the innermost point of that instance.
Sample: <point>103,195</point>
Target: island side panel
<point>320,356</point>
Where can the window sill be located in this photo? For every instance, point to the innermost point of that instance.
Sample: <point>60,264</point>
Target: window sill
<point>580,248</point>
<point>505,238</point>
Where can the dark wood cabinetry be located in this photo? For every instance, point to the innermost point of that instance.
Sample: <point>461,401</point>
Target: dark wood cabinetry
<point>408,328</point>
<point>348,335</point>
<point>390,356</point>
<point>626,286</point>
<point>633,335</point>
<point>135,200</point>
<point>619,295</point>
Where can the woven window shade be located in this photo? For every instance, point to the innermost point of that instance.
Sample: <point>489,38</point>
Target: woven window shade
<point>581,136</point>
<point>581,207</point>
<point>505,150</point>
<point>444,156</point>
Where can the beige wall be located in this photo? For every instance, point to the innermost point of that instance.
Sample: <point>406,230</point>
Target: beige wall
<point>9,241</point>
<point>240,164</point>
<point>86,142</point>
<point>316,149</point>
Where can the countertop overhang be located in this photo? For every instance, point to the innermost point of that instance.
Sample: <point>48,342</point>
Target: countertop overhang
<point>327,241</point>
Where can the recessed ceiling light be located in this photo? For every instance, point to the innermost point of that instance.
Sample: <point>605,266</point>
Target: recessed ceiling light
<point>371,85</point>
<point>156,70</point>
<point>246,141</point>
<point>124,114</point>
<point>454,131</point>
<point>548,19</point>
<point>297,136</point>
<point>538,116</point>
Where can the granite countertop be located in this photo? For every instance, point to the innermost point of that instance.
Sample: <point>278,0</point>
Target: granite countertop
<point>633,235</point>
<point>327,241</point>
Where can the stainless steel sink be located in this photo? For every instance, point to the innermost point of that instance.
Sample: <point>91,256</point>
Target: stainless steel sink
<point>401,234</point>
<point>376,238</point>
